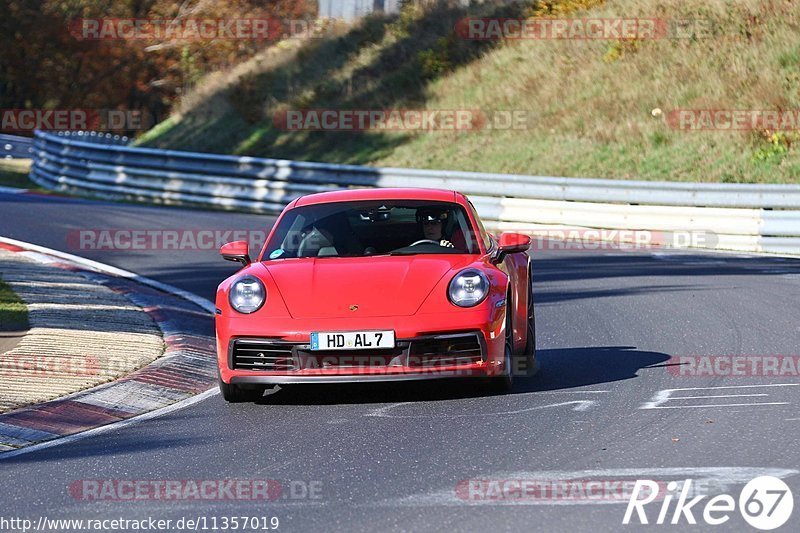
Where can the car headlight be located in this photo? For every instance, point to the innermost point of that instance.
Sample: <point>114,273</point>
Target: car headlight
<point>247,295</point>
<point>468,288</point>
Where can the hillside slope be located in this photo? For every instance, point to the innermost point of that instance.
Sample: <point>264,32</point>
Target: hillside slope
<point>594,108</point>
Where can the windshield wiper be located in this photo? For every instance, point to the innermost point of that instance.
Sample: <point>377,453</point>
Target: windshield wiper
<point>408,252</point>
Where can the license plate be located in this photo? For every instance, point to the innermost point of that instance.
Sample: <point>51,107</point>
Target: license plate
<point>352,340</point>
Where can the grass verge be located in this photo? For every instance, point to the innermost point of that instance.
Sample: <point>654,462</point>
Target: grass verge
<point>13,312</point>
<point>595,108</point>
<point>14,173</point>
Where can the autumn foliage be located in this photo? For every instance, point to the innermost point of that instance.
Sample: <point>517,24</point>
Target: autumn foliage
<point>45,65</point>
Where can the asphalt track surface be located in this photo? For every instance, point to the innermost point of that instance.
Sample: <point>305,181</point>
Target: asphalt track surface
<point>391,456</point>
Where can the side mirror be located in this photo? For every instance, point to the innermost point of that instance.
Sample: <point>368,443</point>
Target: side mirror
<point>511,243</point>
<point>238,251</point>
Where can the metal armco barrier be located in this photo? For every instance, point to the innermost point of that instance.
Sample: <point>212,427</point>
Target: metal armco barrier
<point>746,217</point>
<point>15,147</point>
<point>95,137</point>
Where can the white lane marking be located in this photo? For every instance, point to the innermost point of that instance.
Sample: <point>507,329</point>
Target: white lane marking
<point>384,412</point>
<point>663,396</point>
<point>39,258</point>
<point>114,426</point>
<point>741,386</point>
<point>662,256</point>
<point>717,396</point>
<point>12,190</point>
<point>687,259</point>
<point>716,405</point>
<point>381,411</point>
<point>748,255</point>
<point>201,302</point>
<point>100,267</point>
<point>572,392</point>
<point>715,480</point>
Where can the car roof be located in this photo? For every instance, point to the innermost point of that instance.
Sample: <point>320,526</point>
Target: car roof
<point>351,195</point>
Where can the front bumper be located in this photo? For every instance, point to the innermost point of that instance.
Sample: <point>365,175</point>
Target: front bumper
<point>400,364</point>
<point>297,379</point>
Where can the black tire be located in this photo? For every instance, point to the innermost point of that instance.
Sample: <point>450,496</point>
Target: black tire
<point>236,394</point>
<point>527,361</point>
<point>504,383</point>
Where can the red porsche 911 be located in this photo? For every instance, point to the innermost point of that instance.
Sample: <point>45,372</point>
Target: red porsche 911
<point>376,285</point>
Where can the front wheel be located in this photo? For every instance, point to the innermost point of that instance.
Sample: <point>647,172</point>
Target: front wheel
<point>504,383</point>
<point>236,394</point>
<point>528,364</point>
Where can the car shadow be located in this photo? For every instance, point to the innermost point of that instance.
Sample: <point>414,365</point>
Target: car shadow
<point>568,368</point>
<point>559,369</point>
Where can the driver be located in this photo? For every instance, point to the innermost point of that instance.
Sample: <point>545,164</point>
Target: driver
<point>432,221</point>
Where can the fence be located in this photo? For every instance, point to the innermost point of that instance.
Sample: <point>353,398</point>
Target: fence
<point>15,147</point>
<point>746,217</point>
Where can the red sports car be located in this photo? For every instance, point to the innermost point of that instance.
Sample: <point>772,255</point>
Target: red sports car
<point>376,285</point>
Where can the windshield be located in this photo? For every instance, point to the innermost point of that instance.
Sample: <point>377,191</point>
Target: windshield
<point>358,229</point>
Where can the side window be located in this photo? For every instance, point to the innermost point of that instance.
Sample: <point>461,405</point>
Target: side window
<point>487,240</point>
<point>291,243</point>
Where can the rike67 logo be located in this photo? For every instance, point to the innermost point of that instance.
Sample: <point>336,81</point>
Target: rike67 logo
<point>765,503</point>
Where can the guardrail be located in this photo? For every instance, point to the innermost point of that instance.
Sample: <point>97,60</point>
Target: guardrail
<point>743,217</point>
<point>95,137</point>
<point>18,147</point>
<point>15,147</point>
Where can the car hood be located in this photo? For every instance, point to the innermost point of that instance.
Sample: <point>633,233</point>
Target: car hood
<point>379,286</point>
